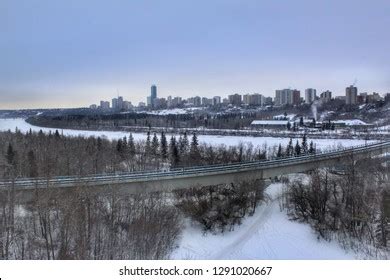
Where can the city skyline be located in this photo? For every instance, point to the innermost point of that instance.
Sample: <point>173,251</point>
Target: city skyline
<point>68,54</point>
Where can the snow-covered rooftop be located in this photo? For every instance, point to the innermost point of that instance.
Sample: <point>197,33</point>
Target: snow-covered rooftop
<point>351,122</point>
<point>269,122</point>
<point>282,117</point>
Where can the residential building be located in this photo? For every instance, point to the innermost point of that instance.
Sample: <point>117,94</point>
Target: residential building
<point>326,96</point>
<point>310,95</point>
<point>104,105</point>
<point>235,99</point>
<point>287,97</point>
<point>351,95</point>
<point>216,100</point>
<point>207,101</point>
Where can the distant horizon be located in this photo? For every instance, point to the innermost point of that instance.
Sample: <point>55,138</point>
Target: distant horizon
<point>302,91</point>
<point>76,53</point>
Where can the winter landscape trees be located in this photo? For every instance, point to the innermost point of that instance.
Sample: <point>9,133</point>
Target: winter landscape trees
<point>87,224</point>
<point>348,205</point>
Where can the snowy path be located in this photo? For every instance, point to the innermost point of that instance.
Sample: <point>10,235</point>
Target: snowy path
<point>267,235</point>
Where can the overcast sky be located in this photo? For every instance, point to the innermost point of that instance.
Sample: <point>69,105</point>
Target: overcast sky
<point>77,52</point>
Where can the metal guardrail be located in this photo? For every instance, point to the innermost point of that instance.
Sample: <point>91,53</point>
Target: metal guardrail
<point>142,176</point>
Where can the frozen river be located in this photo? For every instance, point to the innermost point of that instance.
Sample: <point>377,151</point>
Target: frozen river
<point>12,124</point>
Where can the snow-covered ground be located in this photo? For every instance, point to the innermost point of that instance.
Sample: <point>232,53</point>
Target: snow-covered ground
<point>12,124</point>
<point>269,234</point>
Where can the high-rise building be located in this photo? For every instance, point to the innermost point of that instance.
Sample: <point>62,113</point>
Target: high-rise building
<point>351,95</point>
<point>268,101</point>
<point>207,101</point>
<point>235,99</point>
<point>295,97</point>
<point>255,99</point>
<point>216,100</point>
<point>153,95</point>
<point>246,98</point>
<point>197,101</point>
<point>387,97</point>
<point>310,95</point>
<point>287,97</point>
<point>114,103</point>
<point>326,96</point>
<point>104,105</point>
<point>149,101</point>
<point>120,103</point>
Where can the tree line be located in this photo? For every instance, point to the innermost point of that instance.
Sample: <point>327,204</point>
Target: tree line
<point>36,154</point>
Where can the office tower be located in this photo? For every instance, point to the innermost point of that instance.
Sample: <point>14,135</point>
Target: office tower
<point>114,103</point>
<point>120,103</point>
<point>153,95</point>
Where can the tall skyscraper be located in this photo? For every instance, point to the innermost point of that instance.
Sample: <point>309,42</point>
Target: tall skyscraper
<point>153,95</point>
<point>120,103</point>
<point>351,95</point>
<point>310,95</point>
<point>114,103</point>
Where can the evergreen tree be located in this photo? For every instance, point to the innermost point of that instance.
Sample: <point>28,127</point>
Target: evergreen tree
<point>280,153</point>
<point>288,126</point>
<point>57,134</point>
<point>183,148</point>
<point>11,155</point>
<point>163,146</point>
<point>311,148</point>
<point>119,148</point>
<point>301,121</point>
<point>297,149</point>
<point>99,144</point>
<point>173,152</point>
<point>290,148</point>
<point>131,145</point>
<point>147,145</point>
<point>124,145</point>
<point>194,150</point>
<point>304,144</point>
<point>32,164</point>
<point>155,145</point>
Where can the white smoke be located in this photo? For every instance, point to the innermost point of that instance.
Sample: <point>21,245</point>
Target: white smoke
<point>314,107</point>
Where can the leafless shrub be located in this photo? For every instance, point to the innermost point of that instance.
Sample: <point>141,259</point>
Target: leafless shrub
<point>220,208</point>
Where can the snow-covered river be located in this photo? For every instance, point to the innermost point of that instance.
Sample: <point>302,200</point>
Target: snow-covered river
<point>12,124</point>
